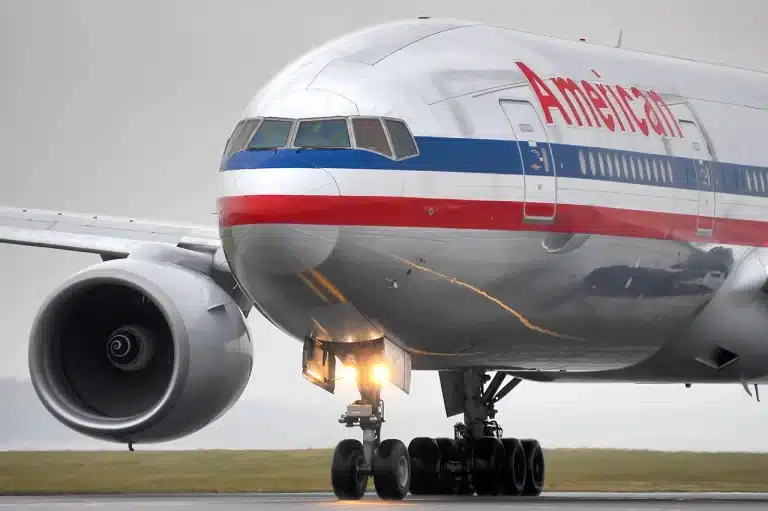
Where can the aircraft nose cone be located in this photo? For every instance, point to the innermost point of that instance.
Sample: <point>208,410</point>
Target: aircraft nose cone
<point>279,221</point>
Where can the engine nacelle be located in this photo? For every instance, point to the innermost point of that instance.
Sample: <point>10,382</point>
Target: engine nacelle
<point>139,351</point>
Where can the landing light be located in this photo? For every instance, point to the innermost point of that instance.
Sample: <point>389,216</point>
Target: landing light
<point>380,374</point>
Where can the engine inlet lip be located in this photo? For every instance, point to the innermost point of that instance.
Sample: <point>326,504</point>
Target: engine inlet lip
<point>46,378</point>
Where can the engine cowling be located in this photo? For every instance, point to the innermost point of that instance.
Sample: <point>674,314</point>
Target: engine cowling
<point>139,351</point>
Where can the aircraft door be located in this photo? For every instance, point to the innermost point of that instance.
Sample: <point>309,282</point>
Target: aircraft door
<point>539,174</point>
<point>705,223</point>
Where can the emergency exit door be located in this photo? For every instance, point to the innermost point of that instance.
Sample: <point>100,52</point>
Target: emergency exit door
<point>539,173</point>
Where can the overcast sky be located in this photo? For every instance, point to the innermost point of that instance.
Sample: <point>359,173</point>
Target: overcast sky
<point>123,107</point>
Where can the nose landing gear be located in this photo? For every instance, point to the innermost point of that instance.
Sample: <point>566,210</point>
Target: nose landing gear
<point>372,363</point>
<point>354,462</point>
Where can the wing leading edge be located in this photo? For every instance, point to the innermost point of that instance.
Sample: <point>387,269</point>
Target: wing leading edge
<point>110,237</point>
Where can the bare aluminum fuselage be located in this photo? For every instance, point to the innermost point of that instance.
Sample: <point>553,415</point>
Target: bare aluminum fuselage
<point>547,302</point>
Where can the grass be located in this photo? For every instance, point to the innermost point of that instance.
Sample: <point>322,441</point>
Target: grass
<point>308,470</point>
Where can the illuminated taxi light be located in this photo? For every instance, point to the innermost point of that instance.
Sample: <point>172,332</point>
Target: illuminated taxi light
<point>380,374</point>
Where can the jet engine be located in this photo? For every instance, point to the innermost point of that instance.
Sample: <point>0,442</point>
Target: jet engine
<point>138,351</point>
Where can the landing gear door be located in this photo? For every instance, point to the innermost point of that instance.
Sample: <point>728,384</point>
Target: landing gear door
<point>318,364</point>
<point>539,174</point>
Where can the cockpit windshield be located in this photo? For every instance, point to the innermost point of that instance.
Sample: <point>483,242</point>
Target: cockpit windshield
<point>402,140</point>
<point>323,133</point>
<point>272,134</point>
<point>390,138</point>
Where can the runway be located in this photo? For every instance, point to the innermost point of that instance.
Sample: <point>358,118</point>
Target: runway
<point>265,502</point>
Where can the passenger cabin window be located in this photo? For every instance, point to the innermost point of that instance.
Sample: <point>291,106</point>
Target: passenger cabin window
<point>369,134</point>
<point>402,140</point>
<point>323,134</point>
<point>582,163</point>
<point>272,134</point>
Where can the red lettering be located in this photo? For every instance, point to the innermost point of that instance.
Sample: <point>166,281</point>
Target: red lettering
<point>600,105</point>
<point>650,112</point>
<point>666,113</point>
<point>566,85</point>
<point>627,99</point>
<point>604,93</point>
<point>547,99</point>
<point>623,108</point>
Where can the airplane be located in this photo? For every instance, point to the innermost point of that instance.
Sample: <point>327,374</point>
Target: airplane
<point>432,195</point>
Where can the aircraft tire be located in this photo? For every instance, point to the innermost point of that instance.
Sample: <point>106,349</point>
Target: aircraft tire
<point>465,489</point>
<point>515,467</point>
<point>392,470</point>
<point>488,459</point>
<point>425,466</point>
<point>347,482</point>
<point>535,468</point>
<point>447,480</point>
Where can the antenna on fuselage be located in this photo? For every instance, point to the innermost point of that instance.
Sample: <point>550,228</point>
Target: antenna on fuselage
<point>621,38</point>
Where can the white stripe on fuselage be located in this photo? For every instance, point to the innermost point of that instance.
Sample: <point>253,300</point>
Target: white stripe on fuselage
<point>481,186</point>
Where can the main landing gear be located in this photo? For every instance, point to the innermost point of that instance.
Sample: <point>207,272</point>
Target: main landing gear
<point>478,459</point>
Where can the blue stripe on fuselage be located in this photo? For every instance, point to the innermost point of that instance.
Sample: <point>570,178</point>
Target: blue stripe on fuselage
<point>502,157</point>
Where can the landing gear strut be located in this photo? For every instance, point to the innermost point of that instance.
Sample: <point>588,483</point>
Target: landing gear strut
<point>478,459</point>
<point>353,462</point>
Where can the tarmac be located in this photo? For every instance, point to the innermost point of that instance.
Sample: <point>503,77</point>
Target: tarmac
<point>265,502</point>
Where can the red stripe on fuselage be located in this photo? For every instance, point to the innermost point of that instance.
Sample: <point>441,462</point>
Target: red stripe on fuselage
<point>477,214</point>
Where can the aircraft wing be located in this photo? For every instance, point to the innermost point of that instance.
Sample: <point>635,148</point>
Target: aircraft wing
<point>110,237</point>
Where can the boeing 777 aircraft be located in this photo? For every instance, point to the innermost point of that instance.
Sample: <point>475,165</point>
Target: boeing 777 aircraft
<point>433,195</point>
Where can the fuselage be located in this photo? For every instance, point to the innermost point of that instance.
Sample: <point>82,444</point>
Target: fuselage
<point>490,198</point>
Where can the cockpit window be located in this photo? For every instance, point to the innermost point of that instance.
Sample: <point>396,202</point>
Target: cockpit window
<point>323,134</point>
<point>369,134</point>
<point>239,138</point>
<point>242,136</point>
<point>402,140</point>
<point>228,147</point>
<point>272,134</point>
